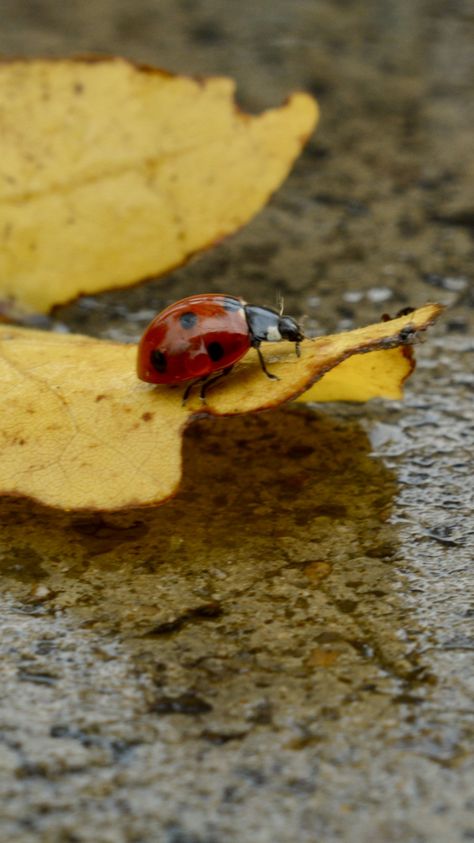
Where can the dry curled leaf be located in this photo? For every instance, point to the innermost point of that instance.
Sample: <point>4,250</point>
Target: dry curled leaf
<point>79,431</point>
<point>111,173</point>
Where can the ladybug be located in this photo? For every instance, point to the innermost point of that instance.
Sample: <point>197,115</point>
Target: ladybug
<point>201,337</point>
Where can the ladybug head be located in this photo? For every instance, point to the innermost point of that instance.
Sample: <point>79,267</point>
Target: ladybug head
<point>289,329</point>
<point>266,325</point>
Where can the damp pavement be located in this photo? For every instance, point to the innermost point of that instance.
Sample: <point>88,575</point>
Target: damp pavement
<point>284,651</point>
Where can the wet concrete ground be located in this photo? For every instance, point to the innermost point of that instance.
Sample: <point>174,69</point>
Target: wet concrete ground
<point>284,652</point>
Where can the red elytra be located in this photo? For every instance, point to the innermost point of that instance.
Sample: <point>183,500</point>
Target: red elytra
<point>202,335</point>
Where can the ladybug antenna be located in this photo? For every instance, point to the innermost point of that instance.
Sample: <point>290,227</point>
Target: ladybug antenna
<point>280,304</point>
<point>303,319</point>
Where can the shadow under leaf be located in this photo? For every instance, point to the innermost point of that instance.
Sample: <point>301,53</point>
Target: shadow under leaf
<point>273,564</point>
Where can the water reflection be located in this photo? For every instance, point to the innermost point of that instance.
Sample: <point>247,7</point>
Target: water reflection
<point>268,579</point>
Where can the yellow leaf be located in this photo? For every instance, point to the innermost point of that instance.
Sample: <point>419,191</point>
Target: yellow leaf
<point>380,374</point>
<point>318,357</point>
<point>80,431</point>
<point>111,173</point>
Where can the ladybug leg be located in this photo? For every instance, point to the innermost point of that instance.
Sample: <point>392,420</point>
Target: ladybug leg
<point>298,349</point>
<point>188,389</point>
<point>210,380</point>
<point>262,363</point>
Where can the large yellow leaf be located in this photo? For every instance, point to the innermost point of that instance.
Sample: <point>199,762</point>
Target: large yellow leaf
<point>111,173</point>
<point>79,431</point>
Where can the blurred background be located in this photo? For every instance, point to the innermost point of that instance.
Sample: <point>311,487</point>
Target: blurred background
<point>378,213</point>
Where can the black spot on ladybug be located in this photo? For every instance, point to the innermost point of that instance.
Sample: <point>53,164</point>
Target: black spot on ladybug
<point>158,360</point>
<point>215,351</point>
<point>188,319</point>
